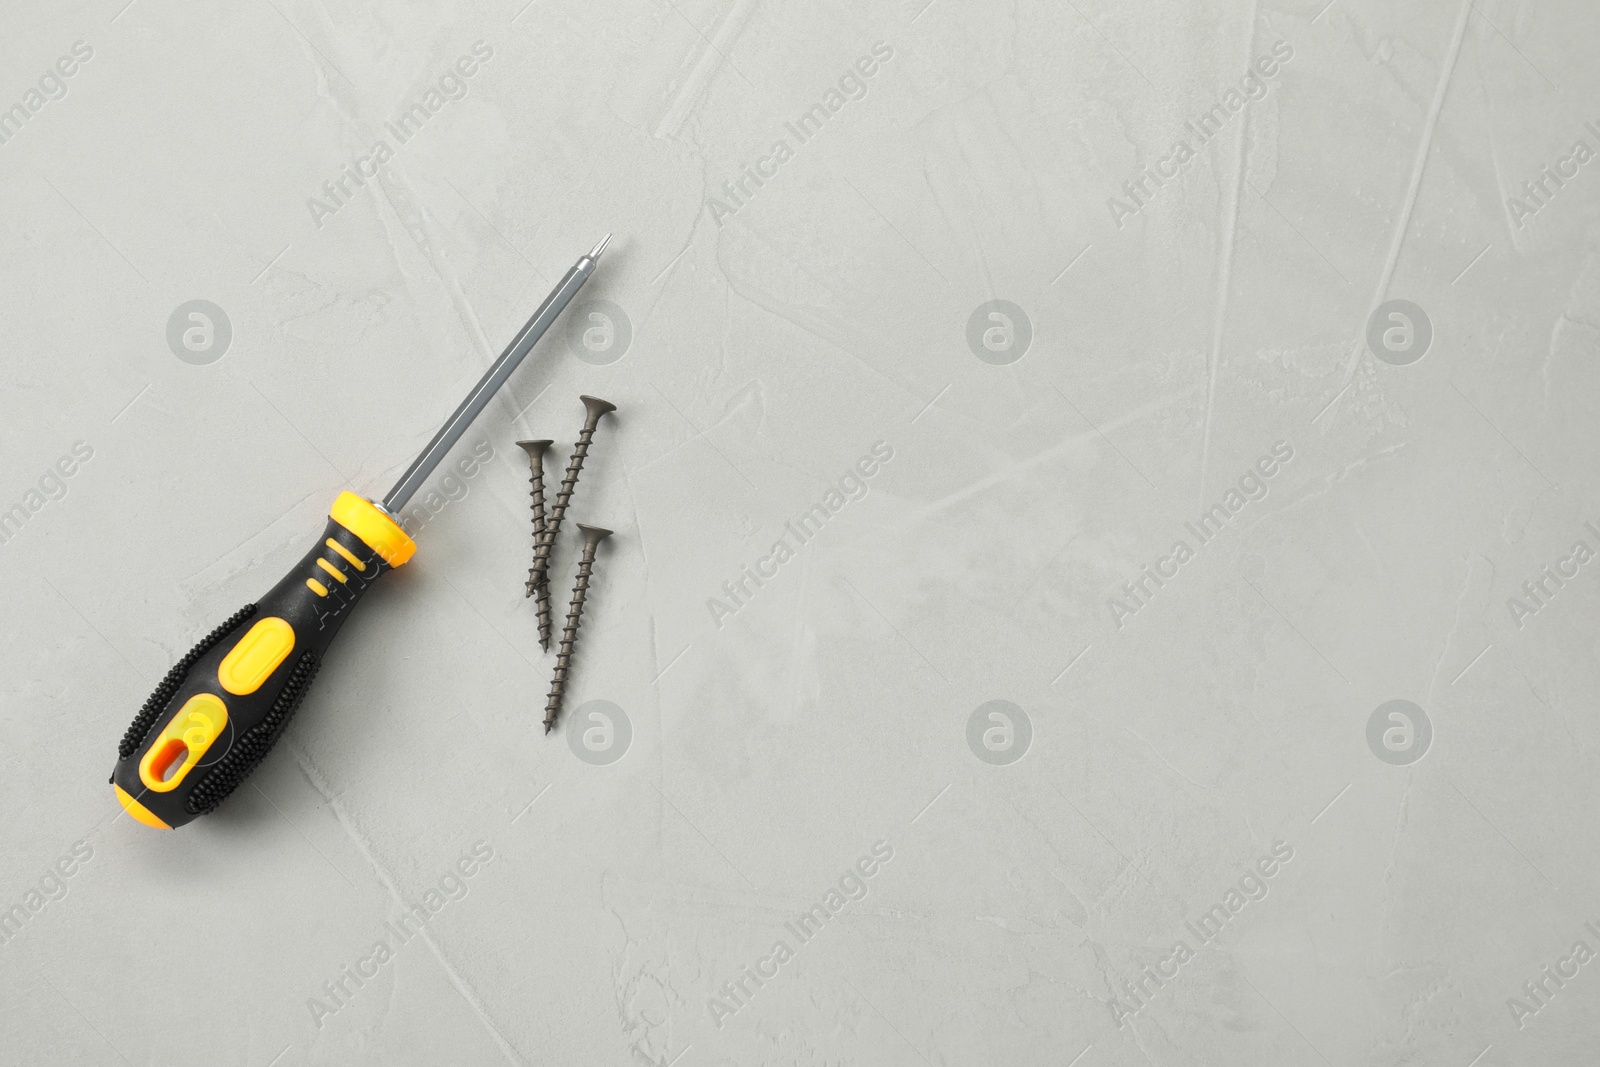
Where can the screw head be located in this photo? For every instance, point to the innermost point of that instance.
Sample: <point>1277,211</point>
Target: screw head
<point>596,407</point>
<point>534,449</point>
<point>593,535</point>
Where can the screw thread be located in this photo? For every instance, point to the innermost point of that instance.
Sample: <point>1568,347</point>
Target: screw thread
<point>541,602</point>
<point>544,542</point>
<point>569,636</point>
<point>558,510</point>
<point>537,494</point>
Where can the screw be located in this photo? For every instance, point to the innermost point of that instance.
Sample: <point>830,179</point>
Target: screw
<point>535,451</point>
<point>592,536</point>
<point>558,511</point>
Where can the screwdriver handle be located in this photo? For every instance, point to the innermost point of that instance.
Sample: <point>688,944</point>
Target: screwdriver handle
<point>222,706</point>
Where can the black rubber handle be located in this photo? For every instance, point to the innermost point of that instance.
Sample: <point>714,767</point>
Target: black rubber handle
<point>221,708</point>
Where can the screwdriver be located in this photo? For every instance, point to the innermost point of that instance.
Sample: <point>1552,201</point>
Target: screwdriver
<point>221,708</point>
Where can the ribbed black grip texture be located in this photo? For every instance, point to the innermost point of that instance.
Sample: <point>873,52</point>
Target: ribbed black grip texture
<point>139,729</point>
<point>252,746</point>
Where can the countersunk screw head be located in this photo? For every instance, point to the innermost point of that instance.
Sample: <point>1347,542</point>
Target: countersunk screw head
<point>593,535</point>
<point>596,407</point>
<point>534,449</point>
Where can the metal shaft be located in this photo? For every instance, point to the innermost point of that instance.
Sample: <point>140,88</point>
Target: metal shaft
<point>492,380</point>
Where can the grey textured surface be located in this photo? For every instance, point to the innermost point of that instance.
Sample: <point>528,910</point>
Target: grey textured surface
<point>1178,738</point>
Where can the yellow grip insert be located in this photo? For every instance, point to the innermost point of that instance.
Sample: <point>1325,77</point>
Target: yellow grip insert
<point>185,738</point>
<point>256,656</point>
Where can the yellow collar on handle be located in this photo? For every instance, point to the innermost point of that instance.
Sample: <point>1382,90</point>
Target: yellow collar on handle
<point>138,810</point>
<point>370,523</point>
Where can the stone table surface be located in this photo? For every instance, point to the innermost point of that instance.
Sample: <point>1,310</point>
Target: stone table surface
<point>1106,519</point>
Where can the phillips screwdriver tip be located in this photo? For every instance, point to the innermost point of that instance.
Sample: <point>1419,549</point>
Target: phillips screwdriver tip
<point>601,247</point>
